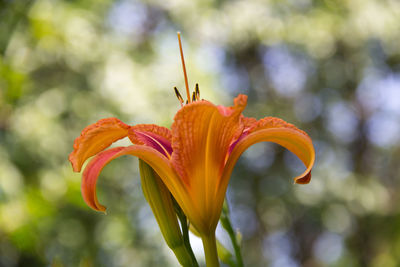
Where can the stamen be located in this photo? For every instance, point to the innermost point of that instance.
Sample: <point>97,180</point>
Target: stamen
<point>178,95</point>
<point>194,96</point>
<point>197,92</point>
<point>184,67</point>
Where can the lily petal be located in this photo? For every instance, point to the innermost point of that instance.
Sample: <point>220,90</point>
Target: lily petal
<point>201,136</point>
<point>152,135</point>
<point>95,138</point>
<point>155,159</point>
<point>278,131</point>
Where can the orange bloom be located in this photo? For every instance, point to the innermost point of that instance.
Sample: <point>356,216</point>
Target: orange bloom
<point>194,159</point>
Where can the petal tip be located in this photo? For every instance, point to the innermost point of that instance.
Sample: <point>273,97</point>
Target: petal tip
<point>99,208</point>
<point>75,166</point>
<point>303,179</point>
<point>240,100</point>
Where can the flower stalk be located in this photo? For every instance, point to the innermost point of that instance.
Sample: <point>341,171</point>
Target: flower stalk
<point>210,250</point>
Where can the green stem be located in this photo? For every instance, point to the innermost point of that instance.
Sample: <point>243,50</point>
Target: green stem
<point>236,248</point>
<point>226,224</point>
<point>210,250</point>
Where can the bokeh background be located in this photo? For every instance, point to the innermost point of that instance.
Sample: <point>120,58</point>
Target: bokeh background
<point>330,67</point>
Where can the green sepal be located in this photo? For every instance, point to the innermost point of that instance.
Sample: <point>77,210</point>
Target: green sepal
<point>160,200</point>
<point>225,255</point>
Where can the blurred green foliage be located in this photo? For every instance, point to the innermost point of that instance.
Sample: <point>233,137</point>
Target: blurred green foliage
<point>330,67</point>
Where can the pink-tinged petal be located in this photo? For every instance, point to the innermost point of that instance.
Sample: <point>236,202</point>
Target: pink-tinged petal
<point>95,138</point>
<point>155,159</point>
<point>152,135</point>
<point>247,123</point>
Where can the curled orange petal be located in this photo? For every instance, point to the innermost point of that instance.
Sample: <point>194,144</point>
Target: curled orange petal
<point>152,157</point>
<point>95,138</point>
<point>278,131</point>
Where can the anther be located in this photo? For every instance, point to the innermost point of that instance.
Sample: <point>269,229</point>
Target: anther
<point>178,95</point>
<point>194,96</point>
<point>197,92</point>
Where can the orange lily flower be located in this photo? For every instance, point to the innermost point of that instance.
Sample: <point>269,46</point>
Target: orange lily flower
<point>194,159</point>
